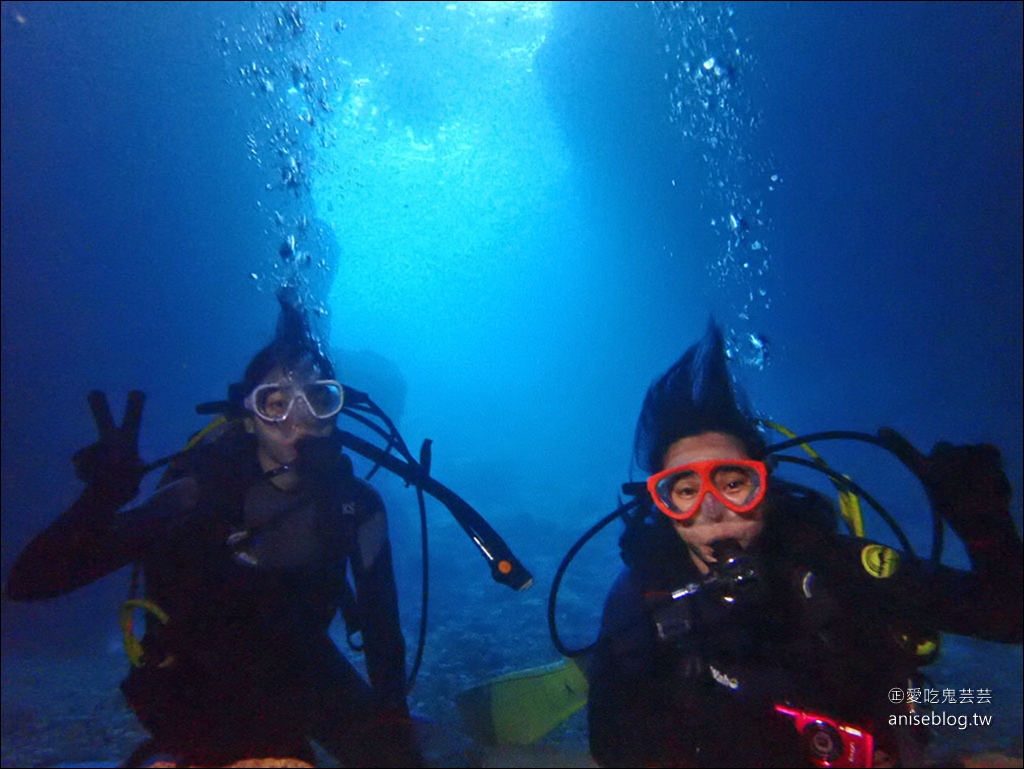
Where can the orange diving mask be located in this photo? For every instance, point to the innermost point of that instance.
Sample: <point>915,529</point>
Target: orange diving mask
<point>739,484</point>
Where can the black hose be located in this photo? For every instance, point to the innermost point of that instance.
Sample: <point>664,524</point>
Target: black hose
<point>391,443</point>
<point>421,640</point>
<point>902,450</point>
<point>903,453</point>
<point>620,512</point>
<point>828,435</point>
<point>845,482</point>
<point>505,567</point>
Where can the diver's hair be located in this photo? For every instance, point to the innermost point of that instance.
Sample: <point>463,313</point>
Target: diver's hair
<point>696,395</point>
<point>293,344</point>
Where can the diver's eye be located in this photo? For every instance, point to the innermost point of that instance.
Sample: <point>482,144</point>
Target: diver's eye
<point>685,492</point>
<point>324,398</point>
<point>686,485</point>
<point>734,482</point>
<point>685,489</point>
<point>275,404</point>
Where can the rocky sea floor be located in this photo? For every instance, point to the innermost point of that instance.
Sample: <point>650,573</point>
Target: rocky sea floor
<point>69,711</point>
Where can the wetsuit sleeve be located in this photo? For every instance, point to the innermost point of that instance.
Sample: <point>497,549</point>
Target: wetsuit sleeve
<point>622,704</point>
<point>967,486</point>
<point>92,539</point>
<point>377,600</point>
<point>987,602</point>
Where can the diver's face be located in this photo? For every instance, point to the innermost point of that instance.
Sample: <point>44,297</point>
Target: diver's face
<point>276,440</point>
<point>713,521</point>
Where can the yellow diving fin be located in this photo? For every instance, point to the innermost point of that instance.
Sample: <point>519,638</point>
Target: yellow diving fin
<point>519,708</point>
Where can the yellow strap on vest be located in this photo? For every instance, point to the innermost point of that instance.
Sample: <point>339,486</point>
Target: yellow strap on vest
<point>849,503</point>
<point>126,618</point>
<point>201,435</point>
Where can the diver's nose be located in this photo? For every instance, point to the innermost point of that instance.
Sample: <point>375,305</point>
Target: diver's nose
<point>301,411</point>
<point>712,510</point>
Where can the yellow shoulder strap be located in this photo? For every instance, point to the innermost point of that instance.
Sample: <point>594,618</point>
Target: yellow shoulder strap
<point>849,503</point>
<point>126,618</point>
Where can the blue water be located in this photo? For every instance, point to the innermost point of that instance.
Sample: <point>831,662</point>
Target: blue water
<point>508,218</point>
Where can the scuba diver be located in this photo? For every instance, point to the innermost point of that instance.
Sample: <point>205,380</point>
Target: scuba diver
<point>745,630</point>
<point>244,549</point>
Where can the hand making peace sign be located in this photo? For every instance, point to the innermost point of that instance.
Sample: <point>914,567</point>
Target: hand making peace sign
<point>112,464</point>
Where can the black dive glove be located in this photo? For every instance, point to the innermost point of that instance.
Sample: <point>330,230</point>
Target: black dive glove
<point>112,465</point>
<point>966,485</point>
<point>321,461</point>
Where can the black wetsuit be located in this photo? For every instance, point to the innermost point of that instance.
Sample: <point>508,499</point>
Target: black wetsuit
<point>250,577</point>
<point>824,626</point>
